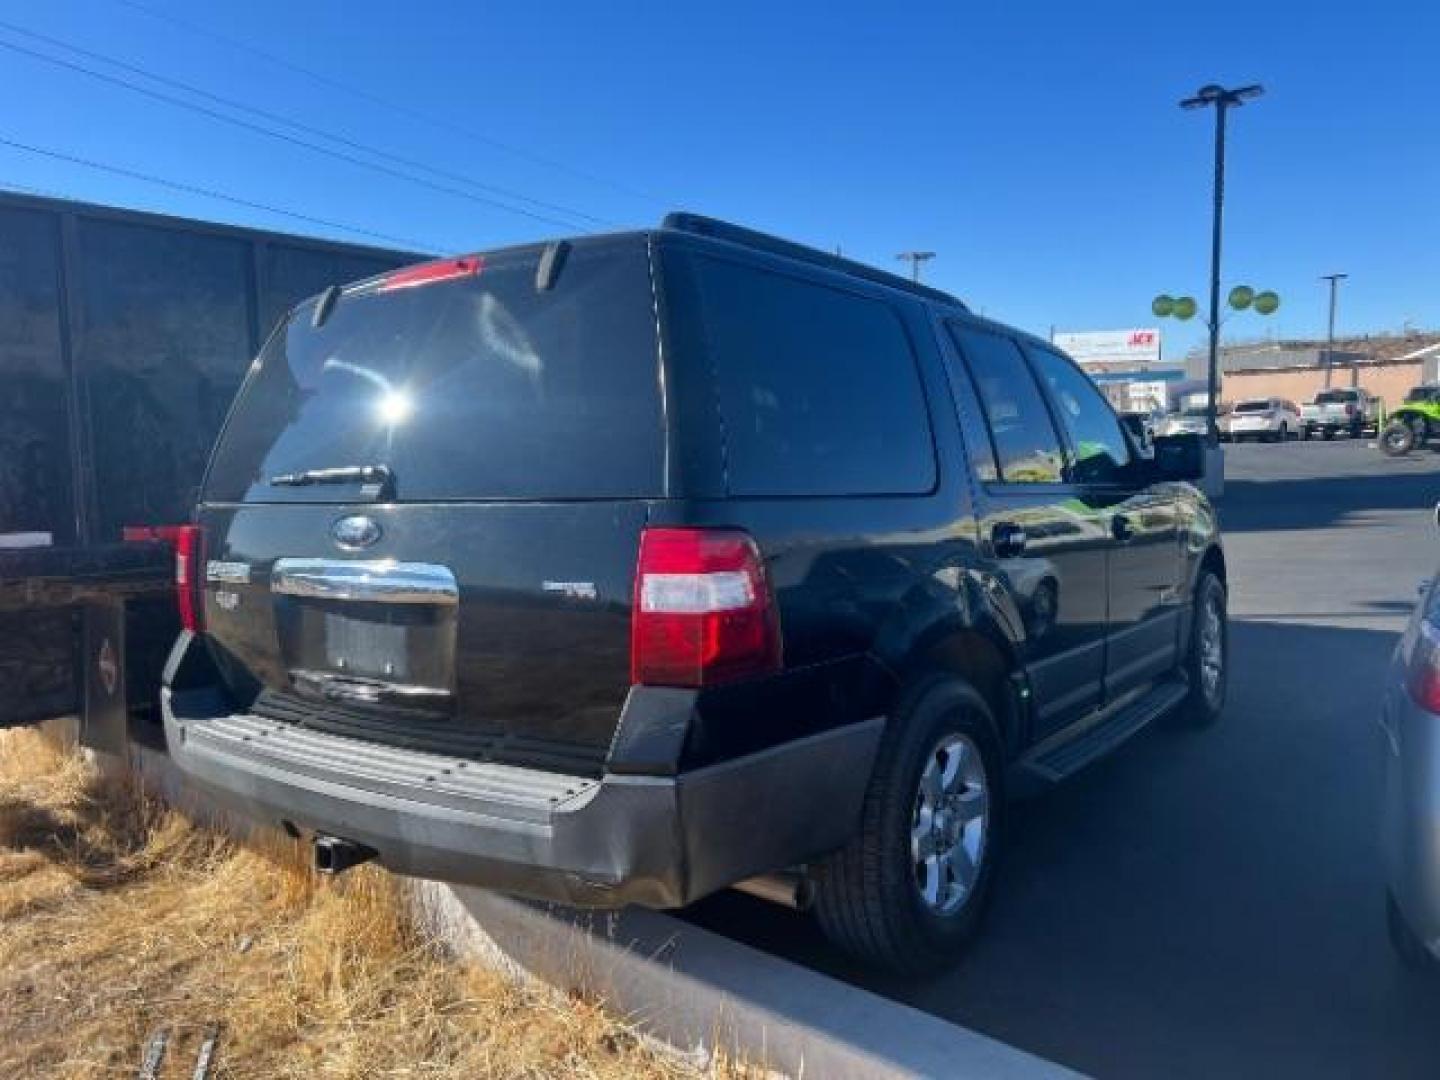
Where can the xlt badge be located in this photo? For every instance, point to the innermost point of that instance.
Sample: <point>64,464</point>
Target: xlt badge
<point>355,532</point>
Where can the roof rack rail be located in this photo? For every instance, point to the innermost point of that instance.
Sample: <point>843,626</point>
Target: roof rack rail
<point>700,225</point>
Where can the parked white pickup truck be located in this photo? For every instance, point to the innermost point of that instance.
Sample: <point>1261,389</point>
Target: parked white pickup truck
<point>1350,409</point>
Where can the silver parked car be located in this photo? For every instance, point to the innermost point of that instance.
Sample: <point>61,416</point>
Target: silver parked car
<point>1264,419</point>
<point>1410,814</point>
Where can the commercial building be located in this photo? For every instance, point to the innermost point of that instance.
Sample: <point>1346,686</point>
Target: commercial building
<point>1387,365</point>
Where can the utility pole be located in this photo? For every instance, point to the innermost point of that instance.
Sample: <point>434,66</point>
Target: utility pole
<point>915,258</point>
<point>1334,280</point>
<point>1223,100</point>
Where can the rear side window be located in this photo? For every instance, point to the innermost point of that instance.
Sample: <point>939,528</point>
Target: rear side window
<point>817,388</point>
<point>479,387</point>
<point>1026,445</point>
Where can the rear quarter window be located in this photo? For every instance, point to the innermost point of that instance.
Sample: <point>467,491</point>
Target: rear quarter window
<point>817,387</point>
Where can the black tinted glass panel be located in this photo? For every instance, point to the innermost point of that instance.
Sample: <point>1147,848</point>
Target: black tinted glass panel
<point>817,388</point>
<point>35,483</point>
<point>1026,445</point>
<point>291,274</point>
<point>477,387</point>
<point>164,340</point>
<point>1101,451</point>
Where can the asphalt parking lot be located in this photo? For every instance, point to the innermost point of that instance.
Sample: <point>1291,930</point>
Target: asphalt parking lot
<point>1210,904</point>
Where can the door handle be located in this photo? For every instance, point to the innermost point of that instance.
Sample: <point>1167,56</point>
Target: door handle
<point>1121,528</point>
<point>1008,539</point>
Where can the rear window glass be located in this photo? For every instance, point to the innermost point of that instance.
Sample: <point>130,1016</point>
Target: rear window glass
<point>1335,397</point>
<point>817,388</point>
<point>1252,406</point>
<point>480,387</point>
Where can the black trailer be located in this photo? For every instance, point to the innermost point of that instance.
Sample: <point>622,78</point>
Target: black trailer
<point>123,338</point>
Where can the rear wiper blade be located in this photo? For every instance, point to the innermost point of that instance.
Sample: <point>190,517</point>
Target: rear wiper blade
<point>380,477</point>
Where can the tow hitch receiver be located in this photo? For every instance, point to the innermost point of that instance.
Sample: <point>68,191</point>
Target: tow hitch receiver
<point>334,855</point>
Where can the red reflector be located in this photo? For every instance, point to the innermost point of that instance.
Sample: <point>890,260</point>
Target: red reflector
<point>704,612</point>
<point>431,272</point>
<point>189,557</point>
<point>151,534</point>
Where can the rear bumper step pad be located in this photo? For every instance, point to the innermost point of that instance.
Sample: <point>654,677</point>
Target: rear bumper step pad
<point>657,841</point>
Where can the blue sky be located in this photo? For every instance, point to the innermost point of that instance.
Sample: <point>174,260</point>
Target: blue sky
<point>1036,147</point>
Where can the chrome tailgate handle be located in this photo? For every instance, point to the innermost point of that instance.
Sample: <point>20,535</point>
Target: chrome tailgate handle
<point>383,581</point>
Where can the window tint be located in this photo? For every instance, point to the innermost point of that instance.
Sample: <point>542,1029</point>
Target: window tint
<point>817,388</point>
<point>1027,449</point>
<point>481,387</point>
<point>1098,442</point>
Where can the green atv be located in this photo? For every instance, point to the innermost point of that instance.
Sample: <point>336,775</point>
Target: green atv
<point>1413,424</point>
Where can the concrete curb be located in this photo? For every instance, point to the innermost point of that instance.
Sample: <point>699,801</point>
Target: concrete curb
<point>702,993</point>
<point>695,991</point>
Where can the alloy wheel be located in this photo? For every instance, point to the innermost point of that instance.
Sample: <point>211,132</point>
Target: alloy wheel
<point>1212,650</point>
<point>949,824</point>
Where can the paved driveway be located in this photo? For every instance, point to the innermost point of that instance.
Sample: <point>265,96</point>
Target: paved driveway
<point>1209,904</point>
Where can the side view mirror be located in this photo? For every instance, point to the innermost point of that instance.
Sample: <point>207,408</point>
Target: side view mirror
<point>1181,457</point>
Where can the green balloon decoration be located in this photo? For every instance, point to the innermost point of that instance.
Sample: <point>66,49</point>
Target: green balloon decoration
<point>1184,308</point>
<point>1267,303</point>
<point>1241,297</point>
<point>1162,306</point>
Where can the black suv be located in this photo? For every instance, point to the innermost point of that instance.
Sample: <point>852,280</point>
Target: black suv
<point>626,568</point>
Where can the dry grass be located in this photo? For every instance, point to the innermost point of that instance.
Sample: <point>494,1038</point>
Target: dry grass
<point>119,917</point>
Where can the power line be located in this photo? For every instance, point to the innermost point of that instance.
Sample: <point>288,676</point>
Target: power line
<point>297,125</point>
<point>280,135</point>
<point>376,99</point>
<point>210,193</point>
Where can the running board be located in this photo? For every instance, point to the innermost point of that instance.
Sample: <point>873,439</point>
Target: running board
<point>1054,762</point>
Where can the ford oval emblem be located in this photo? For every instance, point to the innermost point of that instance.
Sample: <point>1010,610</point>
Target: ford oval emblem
<point>355,532</point>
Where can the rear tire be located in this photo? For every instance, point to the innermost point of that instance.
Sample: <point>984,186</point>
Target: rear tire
<point>1398,439</point>
<point>1207,662</point>
<point>909,890</point>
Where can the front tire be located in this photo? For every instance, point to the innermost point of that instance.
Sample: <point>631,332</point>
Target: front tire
<point>1207,663</point>
<point>908,891</point>
<point>1398,439</point>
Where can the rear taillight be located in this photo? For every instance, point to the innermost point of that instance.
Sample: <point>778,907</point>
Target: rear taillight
<point>189,555</point>
<point>704,612</point>
<point>1422,677</point>
<point>1349,408</point>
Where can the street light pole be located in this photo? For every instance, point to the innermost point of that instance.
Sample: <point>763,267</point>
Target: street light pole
<point>1334,280</point>
<point>1223,100</point>
<point>915,258</point>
